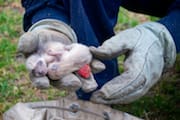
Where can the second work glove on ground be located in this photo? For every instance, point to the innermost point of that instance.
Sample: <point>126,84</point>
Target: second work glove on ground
<point>149,49</point>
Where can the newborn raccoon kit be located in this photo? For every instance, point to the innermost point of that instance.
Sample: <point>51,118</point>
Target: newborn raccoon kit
<point>58,59</point>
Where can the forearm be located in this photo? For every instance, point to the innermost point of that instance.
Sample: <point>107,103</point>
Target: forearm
<point>38,10</point>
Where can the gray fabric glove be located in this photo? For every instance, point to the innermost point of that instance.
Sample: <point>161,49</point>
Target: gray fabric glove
<point>149,49</point>
<point>39,34</point>
<point>33,45</point>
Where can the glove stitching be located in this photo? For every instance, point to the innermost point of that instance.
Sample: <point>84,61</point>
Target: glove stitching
<point>138,40</point>
<point>143,85</point>
<point>143,67</point>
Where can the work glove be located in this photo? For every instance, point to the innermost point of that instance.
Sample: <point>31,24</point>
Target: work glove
<point>35,39</point>
<point>149,50</point>
<point>37,35</point>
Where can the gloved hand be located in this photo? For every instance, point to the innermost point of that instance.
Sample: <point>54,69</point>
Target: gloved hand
<point>37,38</point>
<point>149,49</point>
<point>41,32</point>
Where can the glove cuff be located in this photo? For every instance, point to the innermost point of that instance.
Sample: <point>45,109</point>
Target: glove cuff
<point>166,41</point>
<point>55,25</point>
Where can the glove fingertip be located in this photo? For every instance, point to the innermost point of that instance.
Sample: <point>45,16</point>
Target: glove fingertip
<point>27,43</point>
<point>40,82</point>
<point>97,97</point>
<point>101,53</point>
<point>97,66</point>
<point>93,49</point>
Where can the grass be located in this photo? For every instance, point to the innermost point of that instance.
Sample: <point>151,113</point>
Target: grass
<point>161,103</point>
<point>15,85</point>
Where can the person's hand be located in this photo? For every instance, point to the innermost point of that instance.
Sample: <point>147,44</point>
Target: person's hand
<point>40,33</point>
<point>149,49</point>
<point>36,40</point>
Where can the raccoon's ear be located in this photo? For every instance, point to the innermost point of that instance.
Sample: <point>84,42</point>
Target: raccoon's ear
<point>68,47</point>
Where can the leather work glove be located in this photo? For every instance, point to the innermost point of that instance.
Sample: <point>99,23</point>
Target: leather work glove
<point>149,50</point>
<point>42,32</point>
